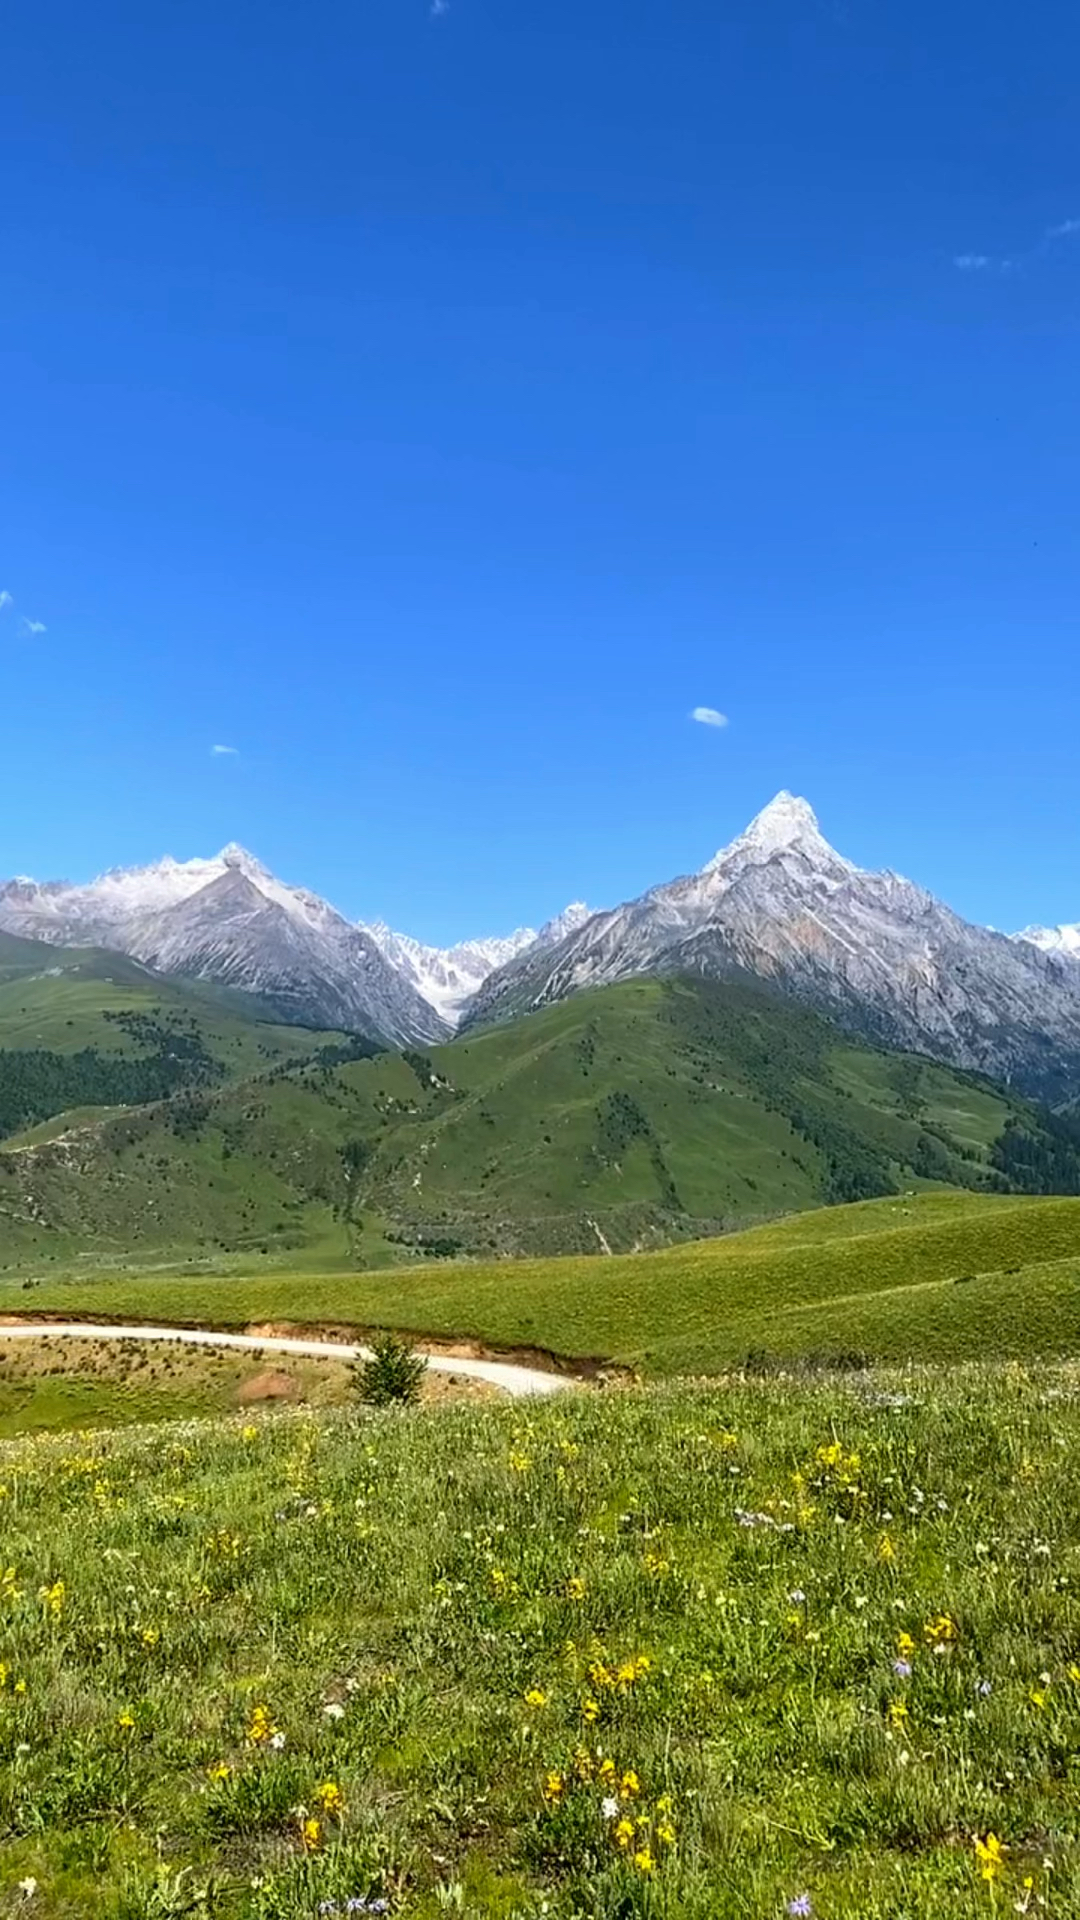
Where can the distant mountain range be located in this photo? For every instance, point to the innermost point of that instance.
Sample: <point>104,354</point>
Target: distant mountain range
<point>871,950</point>
<point>449,978</point>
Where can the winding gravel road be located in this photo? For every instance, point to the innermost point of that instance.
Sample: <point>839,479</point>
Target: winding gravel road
<point>507,1374</point>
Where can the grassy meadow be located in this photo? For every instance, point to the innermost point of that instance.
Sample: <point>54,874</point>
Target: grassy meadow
<point>50,1385</point>
<point>622,1120</point>
<point>759,1649</point>
<point>928,1276</point>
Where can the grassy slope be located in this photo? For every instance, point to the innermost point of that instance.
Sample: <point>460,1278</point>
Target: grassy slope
<point>517,1616</point>
<point>631,1116</point>
<point>48,1386</point>
<point>58,998</point>
<point>933,1276</point>
<point>722,1075</point>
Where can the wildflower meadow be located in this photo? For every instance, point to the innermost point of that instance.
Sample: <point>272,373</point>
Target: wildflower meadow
<point>758,1648</point>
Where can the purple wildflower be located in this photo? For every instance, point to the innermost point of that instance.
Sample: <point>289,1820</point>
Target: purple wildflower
<point>902,1668</point>
<point>800,1907</point>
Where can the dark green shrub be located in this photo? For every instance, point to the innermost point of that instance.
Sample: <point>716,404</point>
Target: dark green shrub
<point>392,1374</point>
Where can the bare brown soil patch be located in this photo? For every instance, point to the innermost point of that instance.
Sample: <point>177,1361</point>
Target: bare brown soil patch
<point>268,1385</point>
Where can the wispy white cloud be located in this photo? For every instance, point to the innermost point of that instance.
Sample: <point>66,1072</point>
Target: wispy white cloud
<point>709,717</point>
<point>5,600</point>
<point>230,750</point>
<point>1003,263</point>
<point>439,8</point>
<point>33,627</point>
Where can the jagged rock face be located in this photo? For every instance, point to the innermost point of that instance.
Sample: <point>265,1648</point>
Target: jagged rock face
<point>871,949</point>
<point>231,921</point>
<point>450,977</point>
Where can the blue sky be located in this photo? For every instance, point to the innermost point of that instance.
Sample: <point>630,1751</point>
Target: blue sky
<point>436,408</point>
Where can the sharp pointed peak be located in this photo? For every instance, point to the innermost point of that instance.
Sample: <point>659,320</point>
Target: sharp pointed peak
<point>785,817</point>
<point>788,821</point>
<point>234,855</point>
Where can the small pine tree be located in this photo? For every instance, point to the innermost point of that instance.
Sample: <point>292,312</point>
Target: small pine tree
<point>392,1374</point>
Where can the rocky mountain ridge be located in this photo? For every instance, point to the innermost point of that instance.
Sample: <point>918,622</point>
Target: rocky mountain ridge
<point>449,978</point>
<point>872,950</point>
<point>1061,940</point>
<point>779,904</point>
<point>230,919</point>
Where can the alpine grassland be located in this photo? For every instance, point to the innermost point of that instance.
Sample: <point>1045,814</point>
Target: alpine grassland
<point>761,1648</point>
<point>624,1119</point>
<point>928,1276</point>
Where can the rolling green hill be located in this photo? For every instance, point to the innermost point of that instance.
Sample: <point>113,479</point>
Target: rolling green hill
<point>641,1114</point>
<point>83,1028</point>
<point>932,1276</point>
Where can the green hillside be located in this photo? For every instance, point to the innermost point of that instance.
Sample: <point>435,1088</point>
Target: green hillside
<point>936,1277</point>
<point>81,1028</point>
<point>624,1119</point>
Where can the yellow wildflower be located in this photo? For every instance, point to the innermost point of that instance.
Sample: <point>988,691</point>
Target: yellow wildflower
<point>629,1785</point>
<point>905,1645</point>
<point>311,1834</point>
<point>125,1721</point>
<point>898,1713</point>
<point>52,1598</point>
<point>665,1834</point>
<point>218,1772</point>
<point>886,1552</point>
<point>623,1833</point>
<point>1037,1696</point>
<point>644,1861</point>
<point>536,1697</point>
<point>554,1787</point>
<point>590,1710</point>
<point>261,1728</point>
<point>519,1462</point>
<point>330,1798</point>
<point>249,1433</point>
<point>575,1587</point>
<point>1074,1674</point>
<point>988,1853</point>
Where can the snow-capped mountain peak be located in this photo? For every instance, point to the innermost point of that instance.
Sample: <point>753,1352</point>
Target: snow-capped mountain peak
<point>568,921</point>
<point>1063,940</point>
<point>787,825</point>
<point>229,919</point>
<point>450,977</point>
<point>872,950</point>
